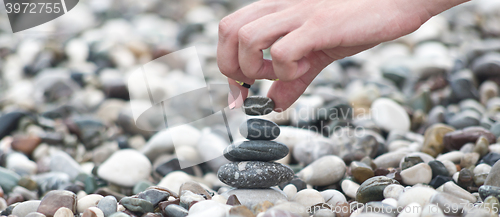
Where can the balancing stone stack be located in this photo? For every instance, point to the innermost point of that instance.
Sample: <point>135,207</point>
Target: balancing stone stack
<point>252,165</point>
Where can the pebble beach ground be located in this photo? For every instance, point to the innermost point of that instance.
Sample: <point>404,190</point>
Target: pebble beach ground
<point>409,128</point>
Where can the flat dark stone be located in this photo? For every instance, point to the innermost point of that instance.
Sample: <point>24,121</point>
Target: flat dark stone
<point>439,180</point>
<point>299,184</point>
<point>456,139</point>
<point>256,150</point>
<point>438,168</point>
<point>490,159</point>
<point>259,129</point>
<point>258,105</point>
<point>254,174</point>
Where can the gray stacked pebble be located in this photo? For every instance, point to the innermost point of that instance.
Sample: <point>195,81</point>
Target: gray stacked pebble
<point>252,165</point>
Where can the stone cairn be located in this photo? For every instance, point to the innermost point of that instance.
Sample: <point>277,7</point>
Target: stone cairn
<point>252,165</point>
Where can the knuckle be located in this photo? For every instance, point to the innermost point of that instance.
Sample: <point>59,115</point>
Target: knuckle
<point>225,27</point>
<point>245,36</point>
<point>278,54</point>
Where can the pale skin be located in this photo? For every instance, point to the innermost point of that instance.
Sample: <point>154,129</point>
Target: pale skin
<point>312,34</point>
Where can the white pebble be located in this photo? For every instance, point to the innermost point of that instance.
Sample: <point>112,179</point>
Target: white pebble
<point>290,190</point>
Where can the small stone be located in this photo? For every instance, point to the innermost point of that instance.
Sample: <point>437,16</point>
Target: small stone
<point>259,129</point>
<point>491,203</point>
<point>153,196</point>
<point>360,171</point>
<point>233,200</point>
<point>333,197</point>
<point>261,206</point>
<point>251,197</point>
<point>137,205</point>
<point>308,197</point>
<point>389,115</point>
<point>453,189</point>
<point>349,188</point>
<point>487,190</point>
<point>324,171</point>
<point>491,158</point>
<point>410,161</point>
<point>465,178</point>
<point>438,168</point>
<point>25,144</point>
<point>482,146</point>
<point>125,167</point>
<point>64,212</point>
<point>433,139</point>
<point>390,159</point>
<point>196,188</point>
<point>93,212</point>
<point>256,150</point>
<point>373,189</point>
<point>142,186</point>
<point>88,201</point>
<point>420,195</point>
<point>62,162</point>
<point>453,156</point>
<point>254,174</point>
<point>299,184</point>
<point>209,208</point>
<point>22,209</point>
<point>189,198</point>
<point>56,199</point>
<point>258,105</point>
<point>463,119</point>
<point>175,210</point>
<point>8,179</point>
<point>108,205</point>
<point>439,180</point>
<point>450,166</point>
<point>456,139</point>
<point>469,159</point>
<point>420,173</point>
<point>482,169</point>
<point>393,191</point>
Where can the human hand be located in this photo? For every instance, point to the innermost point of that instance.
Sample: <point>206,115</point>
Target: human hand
<point>313,33</point>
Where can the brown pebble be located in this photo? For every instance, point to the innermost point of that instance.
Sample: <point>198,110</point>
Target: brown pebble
<point>344,210</point>
<point>381,172</point>
<point>233,200</point>
<point>25,144</point>
<point>456,139</point>
<point>242,211</point>
<point>262,206</point>
<point>196,188</point>
<point>465,178</point>
<point>56,199</point>
<point>1,191</point>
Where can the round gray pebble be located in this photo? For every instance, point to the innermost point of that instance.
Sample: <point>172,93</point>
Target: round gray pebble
<point>259,129</point>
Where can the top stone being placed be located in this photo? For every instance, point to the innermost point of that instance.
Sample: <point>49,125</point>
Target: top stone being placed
<point>258,105</point>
